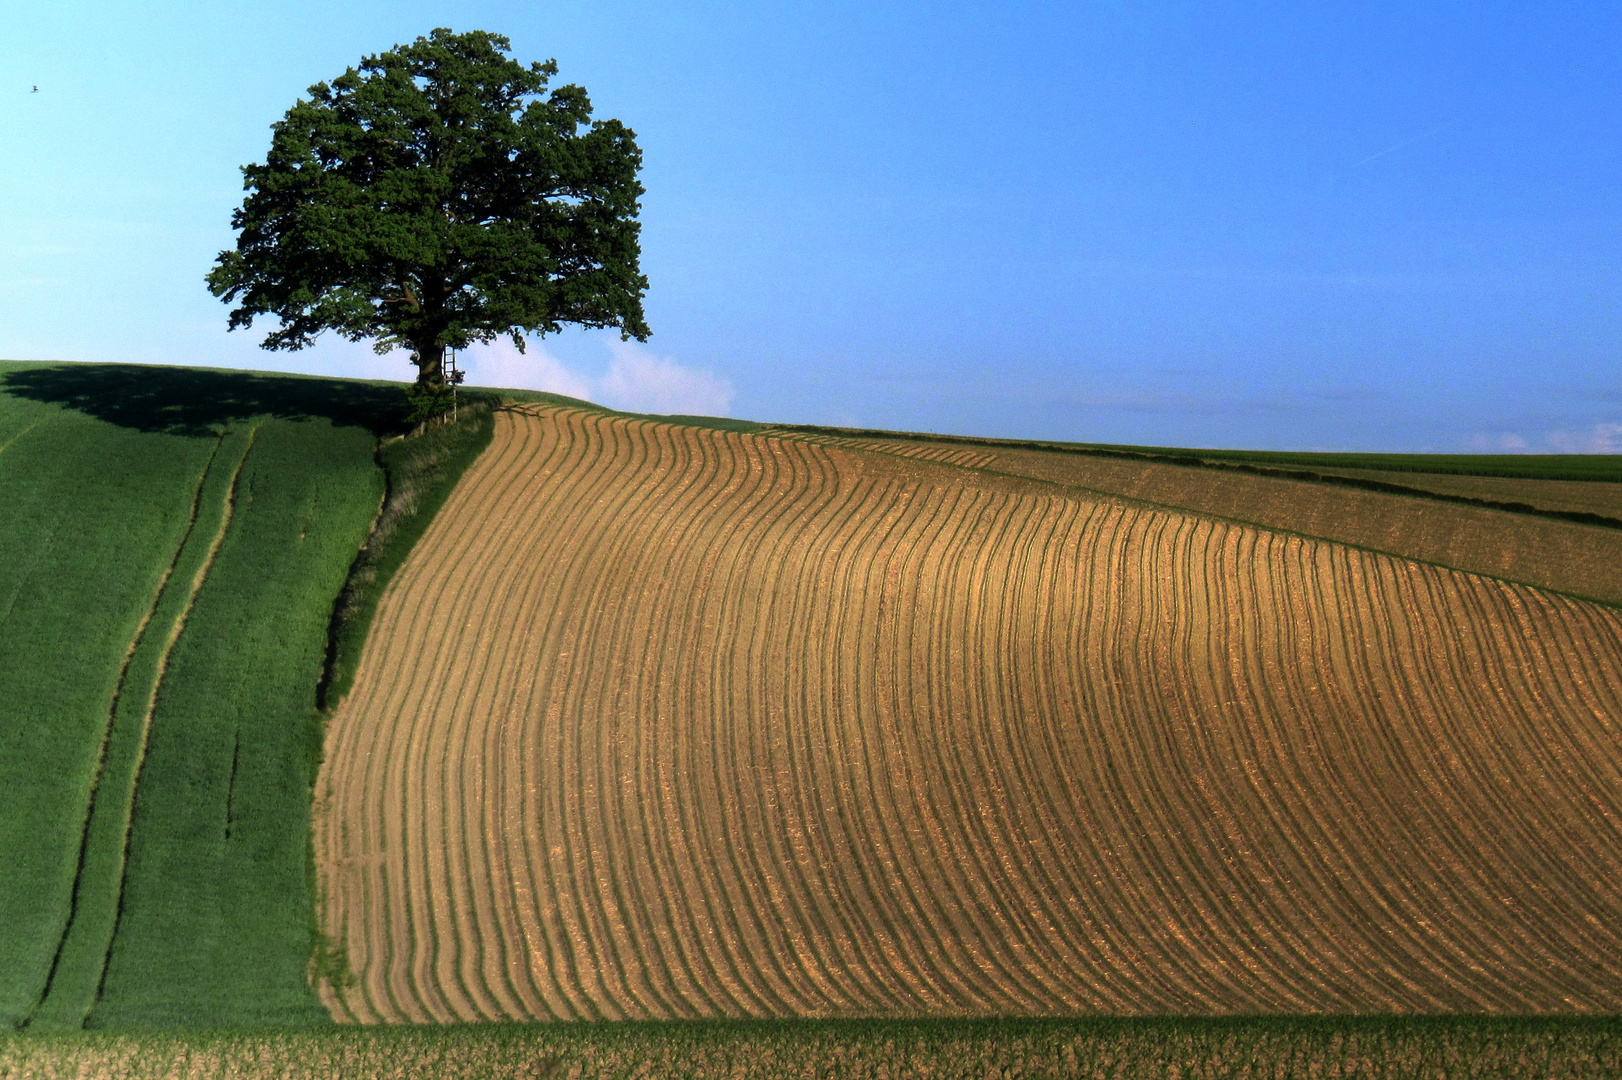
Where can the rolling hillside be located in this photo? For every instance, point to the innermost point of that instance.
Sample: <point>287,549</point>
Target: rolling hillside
<point>665,721</point>
<point>1564,535</point>
<point>712,719</point>
<point>170,547</point>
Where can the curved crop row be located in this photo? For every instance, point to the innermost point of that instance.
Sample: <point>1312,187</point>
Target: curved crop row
<point>662,721</point>
<point>950,455</point>
<point>1582,560</point>
<point>945,453</point>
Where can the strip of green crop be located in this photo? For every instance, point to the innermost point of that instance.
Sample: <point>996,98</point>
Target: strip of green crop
<point>81,960</point>
<point>214,921</point>
<point>1603,468</point>
<point>91,515</point>
<point>1385,486</point>
<point>420,469</point>
<point>1367,1047</point>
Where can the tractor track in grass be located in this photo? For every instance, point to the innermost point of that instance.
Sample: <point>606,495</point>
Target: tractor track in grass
<point>88,835</point>
<point>665,721</point>
<point>75,977</point>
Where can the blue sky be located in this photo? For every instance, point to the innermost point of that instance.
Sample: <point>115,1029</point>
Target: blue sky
<point>1361,226</point>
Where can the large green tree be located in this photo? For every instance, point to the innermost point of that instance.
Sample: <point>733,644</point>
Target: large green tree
<point>439,195</point>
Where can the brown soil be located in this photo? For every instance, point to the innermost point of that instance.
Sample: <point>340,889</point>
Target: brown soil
<point>661,721</point>
<point>949,453</point>
<point>1583,560</point>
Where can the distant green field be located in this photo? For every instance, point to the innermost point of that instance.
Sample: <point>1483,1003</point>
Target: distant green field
<point>1597,467</point>
<point>1371,1048</point>
<point>171,543</point>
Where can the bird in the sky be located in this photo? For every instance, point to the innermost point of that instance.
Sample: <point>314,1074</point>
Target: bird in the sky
<point>36,89</point>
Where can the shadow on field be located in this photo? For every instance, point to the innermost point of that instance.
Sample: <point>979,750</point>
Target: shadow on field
<point>196,401</point>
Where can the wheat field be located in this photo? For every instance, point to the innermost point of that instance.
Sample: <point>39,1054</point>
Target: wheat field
<point>660,721</point>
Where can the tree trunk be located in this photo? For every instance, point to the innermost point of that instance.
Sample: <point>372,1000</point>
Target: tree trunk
<point>430,360</point>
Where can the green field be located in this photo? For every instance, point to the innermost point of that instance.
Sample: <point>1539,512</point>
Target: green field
<point>172,544</point>
<point>1605,468</point>
<point>1366,1048</point>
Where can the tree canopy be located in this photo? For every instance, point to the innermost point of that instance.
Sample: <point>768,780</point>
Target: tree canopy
<point>439,195</point>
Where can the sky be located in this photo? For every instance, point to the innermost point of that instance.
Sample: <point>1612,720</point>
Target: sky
<point>1352,226</point>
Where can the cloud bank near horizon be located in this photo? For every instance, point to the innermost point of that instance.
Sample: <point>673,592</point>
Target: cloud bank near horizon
<point>637,379</point>
<point>1600,438</point>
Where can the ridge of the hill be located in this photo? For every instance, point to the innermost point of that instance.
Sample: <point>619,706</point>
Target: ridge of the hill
<point>1601,468</point>
<point>1567,547</point>
<point>1547,520</point>
<point>1592,480</point>
<point>726,723</point>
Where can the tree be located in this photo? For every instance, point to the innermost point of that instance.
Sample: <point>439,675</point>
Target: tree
<point>436,197</point>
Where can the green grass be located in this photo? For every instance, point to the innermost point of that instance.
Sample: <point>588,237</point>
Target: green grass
<point>174,543</point>
<point>75,976</point>
<point>90,516</point>
<point>214,919</point>
<point>1364,1047</point>
<point>171,545</point>
<point>1597,467</point>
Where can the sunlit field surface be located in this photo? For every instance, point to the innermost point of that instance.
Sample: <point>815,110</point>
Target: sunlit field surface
<point>172,544</point>
<point>1386,1048</point>
<point>710,723</point>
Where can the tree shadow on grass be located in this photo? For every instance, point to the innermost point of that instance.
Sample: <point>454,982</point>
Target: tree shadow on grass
<point>198,401</point>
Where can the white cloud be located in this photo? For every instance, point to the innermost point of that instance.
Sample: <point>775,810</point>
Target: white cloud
<point>1506,442</point>
<point>500,364</point>
<point>1599,439</point>
<point>636,381</point>
<point>639,381</point>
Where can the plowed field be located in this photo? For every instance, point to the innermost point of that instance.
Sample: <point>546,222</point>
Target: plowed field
<point>1583,560</point>
<point>661,721</point>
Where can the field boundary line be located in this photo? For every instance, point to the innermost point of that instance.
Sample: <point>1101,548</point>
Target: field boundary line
<point>8,443</point>
<point>888,444</point>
